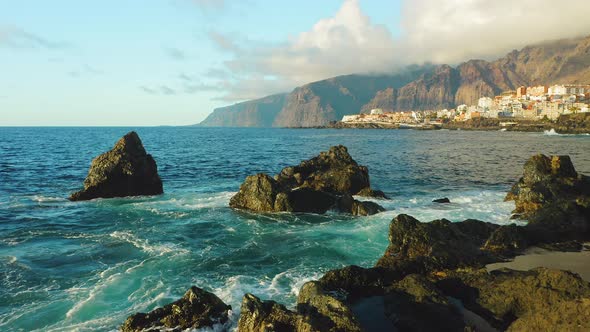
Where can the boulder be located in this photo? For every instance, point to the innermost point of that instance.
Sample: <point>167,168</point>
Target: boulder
<point>261,316</point>
<point>442,200</point>
<point>504,296</point>
<point>554,198</point>
<point>126,170</point>
<point>323,183</point>
<point>196,309</point>
<point>440,244</point>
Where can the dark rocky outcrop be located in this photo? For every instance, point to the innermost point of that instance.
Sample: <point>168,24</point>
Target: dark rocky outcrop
<point>126,170</point>
<point>196,309</point>
<point>554,198</point>
<point>436,245</point>
<point>442,201</point>
<point>325,182</point>
<point>504,296</point>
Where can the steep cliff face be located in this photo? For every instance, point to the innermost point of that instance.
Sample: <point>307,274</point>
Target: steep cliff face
<point>321,102</point>
<point>416,88</point>
<point>254,113</point>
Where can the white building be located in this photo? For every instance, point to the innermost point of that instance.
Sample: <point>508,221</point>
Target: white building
<point>350,118</point>
<point>462,108</point>
<point>485,102</point>
<point>376,111</point>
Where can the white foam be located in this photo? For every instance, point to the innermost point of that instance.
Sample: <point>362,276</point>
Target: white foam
<point>146,246</point>
<point>551,132</point>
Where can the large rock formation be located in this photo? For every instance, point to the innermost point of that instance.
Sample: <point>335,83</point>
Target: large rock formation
<point>126,170</point>
<point>554,198</point>
<point>196,309</point>
<point>325,182</point>
<point>416,88</point>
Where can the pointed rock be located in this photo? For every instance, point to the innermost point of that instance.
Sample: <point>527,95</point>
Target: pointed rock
<point>126,170</point>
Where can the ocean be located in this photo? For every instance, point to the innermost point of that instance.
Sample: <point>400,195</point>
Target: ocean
<point>86,266</point>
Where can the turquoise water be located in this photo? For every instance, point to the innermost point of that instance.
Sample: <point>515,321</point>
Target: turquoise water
<point>87,266</point>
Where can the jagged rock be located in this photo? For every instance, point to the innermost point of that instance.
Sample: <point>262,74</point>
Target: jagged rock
<point>262,316</point>
<point>502,296</point>
<point>325,182</point>
<point>507,240</point>
<point>368,192</point>
<point>196,309</point>
<point>440,244</point>
<point>126,170</point>
<point>554,198</point>
<point>325,309</point>
<point>442,200</point>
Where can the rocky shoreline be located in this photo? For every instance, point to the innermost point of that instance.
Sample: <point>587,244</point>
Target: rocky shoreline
<point>565,124</point>
<point>433,275</point>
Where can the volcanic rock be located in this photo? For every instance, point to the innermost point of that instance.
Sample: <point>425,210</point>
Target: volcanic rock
<point>325,182</point>
<point>503,296</point>
<point>196,309</point>
<point>442,201</point>
<point>126,170</point>
<point>554,198</point>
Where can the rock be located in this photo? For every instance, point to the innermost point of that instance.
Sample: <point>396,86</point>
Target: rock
<point>196,309</point>
<point>554,198</point>
<point>258,193</point>
<point>442,200</point>
<point>564,316</point>
<point>325,182</point>
<point>507,240</point>
<point>126,170</point>
<point>368,192</point>
<point>262,316</point>
<point>415,304</point>
<point>503,296</point>
<point>326,310</point>
<point>439,244</point>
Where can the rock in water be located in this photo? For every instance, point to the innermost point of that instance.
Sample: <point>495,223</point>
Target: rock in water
<point>196,309</point>
<point>442,201</point>
<point>325,182</point>
<point>126,170</point>
<point>554,198</point>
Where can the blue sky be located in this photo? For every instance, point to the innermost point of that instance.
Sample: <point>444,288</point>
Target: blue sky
<point>115,62</point>
<point>171,62</point>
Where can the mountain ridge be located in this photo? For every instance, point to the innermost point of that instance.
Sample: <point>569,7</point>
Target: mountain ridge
<point>416,87</point>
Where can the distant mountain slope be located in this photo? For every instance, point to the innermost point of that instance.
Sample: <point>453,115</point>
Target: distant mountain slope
<point>416,88</point>
<point>254,113</point>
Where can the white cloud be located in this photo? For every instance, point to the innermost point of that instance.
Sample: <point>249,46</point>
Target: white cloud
<point>452,31</point>
<point>439,31</point>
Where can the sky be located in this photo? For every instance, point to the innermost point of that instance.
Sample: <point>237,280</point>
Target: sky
<point>171,62</point>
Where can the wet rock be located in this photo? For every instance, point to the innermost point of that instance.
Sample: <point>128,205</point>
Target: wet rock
<point>326,310</point>
<point>503,296</point>
<point>368,192</point>
<point>323,183</point>
<point>554,198</point>
<point>440,244</point>
<point>126,170</point>
<point>261,316</point>
<point>442,201</point>
<point>196,309</point>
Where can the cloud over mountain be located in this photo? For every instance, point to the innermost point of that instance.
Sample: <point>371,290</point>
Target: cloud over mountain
<point>439,31</point>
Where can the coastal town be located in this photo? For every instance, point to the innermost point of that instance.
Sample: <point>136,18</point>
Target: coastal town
<point>532,104</point>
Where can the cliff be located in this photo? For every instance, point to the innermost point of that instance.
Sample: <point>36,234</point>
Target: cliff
<point>415,88</point>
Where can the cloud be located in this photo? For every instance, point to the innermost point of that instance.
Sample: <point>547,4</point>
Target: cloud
<point>85,70</point>
<point>452,31</point>
<point>438,31</point>
<point>16,38</point>
<point>175,53</point>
